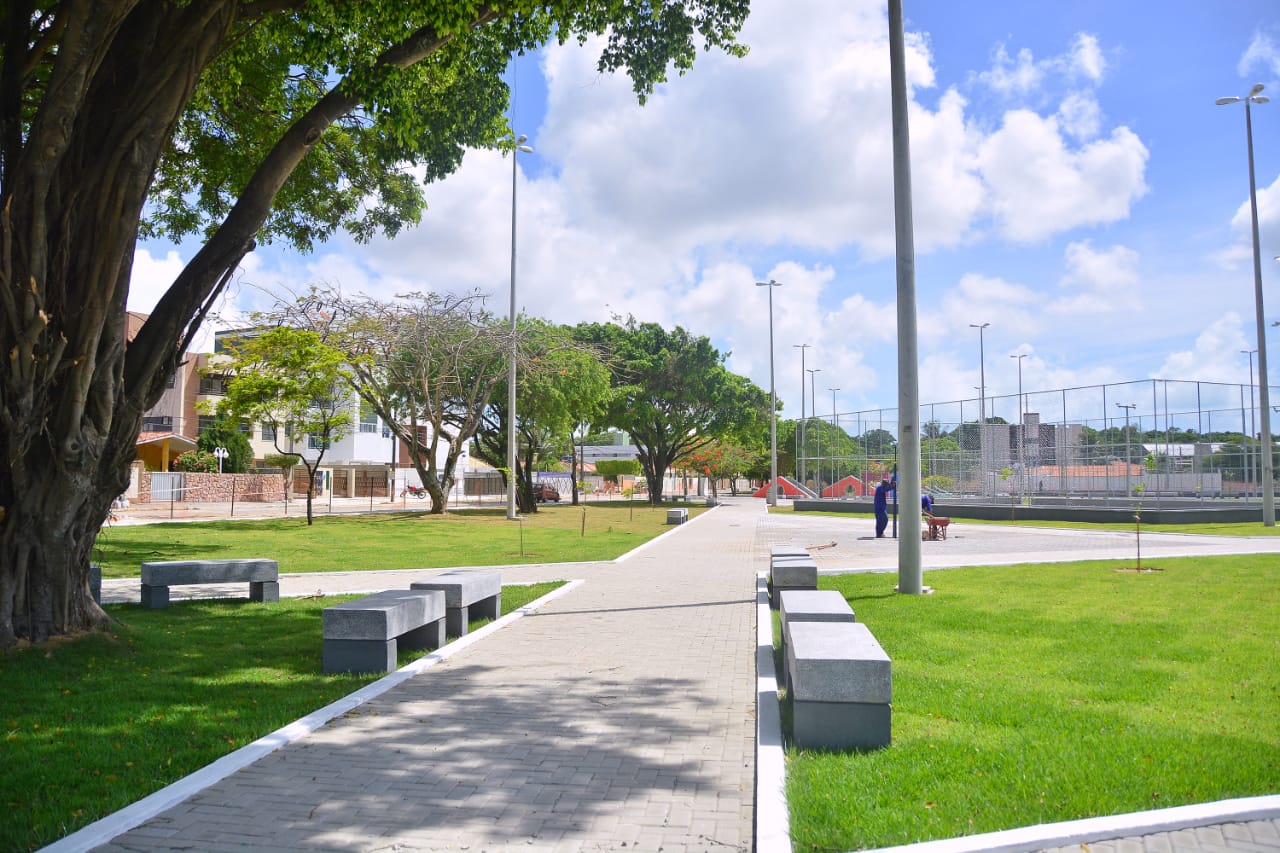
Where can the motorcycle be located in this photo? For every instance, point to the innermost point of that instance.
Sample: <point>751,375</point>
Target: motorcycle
<point>419,492</point>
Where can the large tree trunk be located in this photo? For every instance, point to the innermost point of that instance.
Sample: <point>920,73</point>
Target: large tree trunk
<point>71,398</point>
<point>72,395</point>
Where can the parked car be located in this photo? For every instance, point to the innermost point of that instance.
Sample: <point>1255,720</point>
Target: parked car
<point>545,492</point>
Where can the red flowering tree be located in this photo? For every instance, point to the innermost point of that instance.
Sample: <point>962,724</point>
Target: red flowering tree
<point>720,460</point>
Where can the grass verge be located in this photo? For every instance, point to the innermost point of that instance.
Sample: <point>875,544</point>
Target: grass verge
<point>1039,693</point>
<point>95,723</point>
<point>555,534</point>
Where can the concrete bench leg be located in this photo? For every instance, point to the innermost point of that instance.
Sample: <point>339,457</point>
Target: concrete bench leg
<point>264,591</point>
<point>359,656</point>
<point>456,619</point>
<point>155,597</point>
<point>429,636</point>
<point>489,608</point>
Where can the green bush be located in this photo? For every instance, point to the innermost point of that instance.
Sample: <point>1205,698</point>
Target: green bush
<point>225,432</point>
<point>197,462</point>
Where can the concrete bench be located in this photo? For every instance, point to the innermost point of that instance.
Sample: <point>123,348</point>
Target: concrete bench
<point>466,594</point>
<point>365,635</point>
<point>841,686</point>
<point>791,573</point>
<point>810,605</point>
<point>263,577</point>
<point>677,516</point>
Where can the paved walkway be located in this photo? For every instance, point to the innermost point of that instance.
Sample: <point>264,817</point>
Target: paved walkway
<point>622,714</point>
<point>619,716</point>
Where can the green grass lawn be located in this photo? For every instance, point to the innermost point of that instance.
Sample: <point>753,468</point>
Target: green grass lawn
<point>95,723</point>
<point>1038,693</point>
<point>555,534</point>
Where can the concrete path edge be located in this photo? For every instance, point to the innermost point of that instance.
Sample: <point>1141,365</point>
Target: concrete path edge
<point>773,821</point>
<point>1112,827</point>
<point>103,830</point>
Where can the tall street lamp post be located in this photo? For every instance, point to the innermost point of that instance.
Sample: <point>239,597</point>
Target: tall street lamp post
<point>910,579</point>
<point>817,481</point>
<point>511,368</point>
<point>772,499</point>
<point>982,403</point>
<point>1022,425</point>
<point>1264,398</point>
<point>800,426</point>
<point>1128,407</point>
<point>1248,439</point>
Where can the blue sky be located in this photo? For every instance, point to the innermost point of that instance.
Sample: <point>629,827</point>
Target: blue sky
<point>1075,186</point>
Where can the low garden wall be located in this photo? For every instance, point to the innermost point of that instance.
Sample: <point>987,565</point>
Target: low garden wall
<point>220,488</point>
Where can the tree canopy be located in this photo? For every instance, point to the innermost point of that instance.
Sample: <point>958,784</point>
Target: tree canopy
<point>240,121</point>
<point>300,388</point>
<point>671,393</point>
<point>560,384</point>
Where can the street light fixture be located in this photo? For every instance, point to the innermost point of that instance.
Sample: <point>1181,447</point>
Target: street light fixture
<point>982,404</point>
<point>1264,397</point>
<point>511,368</point>
<point>800,426</point>
<point>772,499</point>
<point>1127,464</point>
<point>813,397</point>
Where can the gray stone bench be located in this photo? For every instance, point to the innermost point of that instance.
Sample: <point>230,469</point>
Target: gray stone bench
<point>466,595</point>
<point>263,577</point>
<point>677,516</point>
<point>840,686</point>
<point>810,605</point>
<point>791,573</point>
<point>365,635</point>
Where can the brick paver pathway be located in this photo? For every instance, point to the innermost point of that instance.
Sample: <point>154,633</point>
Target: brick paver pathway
<point>620,715</point>
<point>1259,836</point>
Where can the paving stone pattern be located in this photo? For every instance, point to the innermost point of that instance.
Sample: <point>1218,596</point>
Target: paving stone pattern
<point>1259,836</point>
<point>620,716</point>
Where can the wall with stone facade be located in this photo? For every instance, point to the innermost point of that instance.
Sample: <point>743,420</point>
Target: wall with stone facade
<point>214,488</point>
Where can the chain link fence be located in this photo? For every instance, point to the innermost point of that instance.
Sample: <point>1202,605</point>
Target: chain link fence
<point>1158,439</point>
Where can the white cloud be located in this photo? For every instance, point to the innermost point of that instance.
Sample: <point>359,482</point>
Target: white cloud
<point>1080,115</point>
<point>1085,58</point>
<point>1019,75</point>
<point>979,298</point>
<point>1216,356</point>
<point>1022,76</point>
<point>1041,187</point>
<point>1262,54</point>
<point>151,278</point>
<point>1099,282</point>
<point>1240,252</point>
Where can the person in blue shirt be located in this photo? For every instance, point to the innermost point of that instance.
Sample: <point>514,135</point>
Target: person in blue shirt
<point>881,505</point>
<point>926,503</point>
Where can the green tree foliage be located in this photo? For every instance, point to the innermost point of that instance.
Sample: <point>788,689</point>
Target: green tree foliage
<point>671,393</point>
<point>289,381</point>
<point>428,364</point>
<point>226,432</point>
<point>562,383</point>
<point>239,121</point>
<point>612,469</point>
<point>197,461</point>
